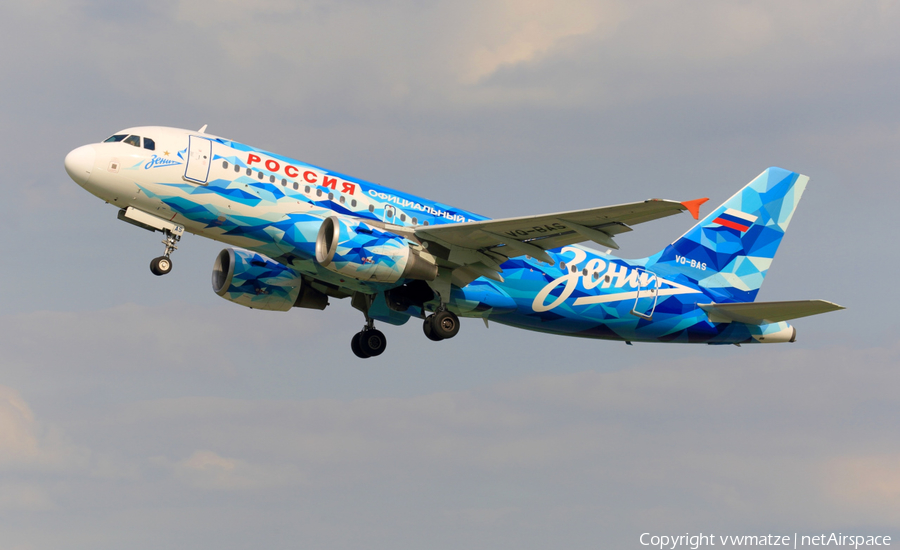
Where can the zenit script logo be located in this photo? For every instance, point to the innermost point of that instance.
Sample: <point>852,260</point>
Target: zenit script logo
<point>157,161</point>
<point>609,278</point>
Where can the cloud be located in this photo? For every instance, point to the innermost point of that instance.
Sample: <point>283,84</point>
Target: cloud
<point>130,337</point>
<point>26,444</point>
<point>361,58</point>
<point>508,33</point>
<point>867,485</point>
<point>773,437</point>
<point>208,470</point>
<point>18,497</point>
<point>721,429</point>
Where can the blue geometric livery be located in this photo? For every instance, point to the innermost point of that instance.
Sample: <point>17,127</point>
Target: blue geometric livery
<point>301,235</point>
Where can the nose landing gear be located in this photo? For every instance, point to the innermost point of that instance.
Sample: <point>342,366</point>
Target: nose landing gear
<point>171,230</point>
<point>163,264</point>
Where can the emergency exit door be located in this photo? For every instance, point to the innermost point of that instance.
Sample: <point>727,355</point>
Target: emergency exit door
<point>646,296</point>
<point>199,159</point>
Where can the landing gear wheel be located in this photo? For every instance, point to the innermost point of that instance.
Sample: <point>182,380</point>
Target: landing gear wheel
<point>429,330</point>
<point>354,345</point>
<point>372,342</point>
<point>445,324</point>
<point>164,265</point>
<point>161,265</point>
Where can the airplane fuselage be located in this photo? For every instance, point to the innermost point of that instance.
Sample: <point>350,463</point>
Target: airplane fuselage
<point>273,205</point>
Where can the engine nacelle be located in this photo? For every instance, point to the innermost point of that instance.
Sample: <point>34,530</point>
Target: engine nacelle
<point>255,281</point>
<point>366,253</point>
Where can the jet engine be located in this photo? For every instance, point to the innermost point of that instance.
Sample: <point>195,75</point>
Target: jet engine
<point>258,282</point>
<point>366,253</point>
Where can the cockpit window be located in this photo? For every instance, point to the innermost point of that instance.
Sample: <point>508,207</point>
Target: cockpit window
<point>133,140</point>
<point>115,138</point>
<point>149,144</point>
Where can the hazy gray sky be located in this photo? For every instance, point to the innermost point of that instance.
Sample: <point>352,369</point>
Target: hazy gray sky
<point>147,413</point>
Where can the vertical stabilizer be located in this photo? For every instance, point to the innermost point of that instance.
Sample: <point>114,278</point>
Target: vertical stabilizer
<point>729,251</point>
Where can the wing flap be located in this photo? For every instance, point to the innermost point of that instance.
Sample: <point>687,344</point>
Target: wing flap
<point>760,313</point>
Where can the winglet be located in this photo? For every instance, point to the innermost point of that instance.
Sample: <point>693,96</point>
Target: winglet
<point>201,130</point>
<point>694,207</point>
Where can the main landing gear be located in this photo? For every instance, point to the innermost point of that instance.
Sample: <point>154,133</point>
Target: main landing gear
<point>441,325</point>
<point>163,264</point>
<point>369,342</point>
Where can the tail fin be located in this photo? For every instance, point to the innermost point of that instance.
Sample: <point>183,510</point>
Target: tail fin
<point>729,252</point>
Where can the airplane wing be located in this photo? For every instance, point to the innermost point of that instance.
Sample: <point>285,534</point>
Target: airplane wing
<point>482,246</point>
<point>760,313</point>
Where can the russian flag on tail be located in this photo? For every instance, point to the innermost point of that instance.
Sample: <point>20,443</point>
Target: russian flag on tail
<point>735,219</point>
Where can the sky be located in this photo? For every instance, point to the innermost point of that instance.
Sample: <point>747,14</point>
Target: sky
<point>146,412</point>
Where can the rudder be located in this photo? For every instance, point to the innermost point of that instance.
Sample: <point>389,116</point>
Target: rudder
<point>729,251</point>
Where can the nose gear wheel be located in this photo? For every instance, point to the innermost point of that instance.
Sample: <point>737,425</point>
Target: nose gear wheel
<point>163,264</point>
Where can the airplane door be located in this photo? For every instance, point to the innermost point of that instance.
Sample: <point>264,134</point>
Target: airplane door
<point>199,159</point>
<point>647,295</point>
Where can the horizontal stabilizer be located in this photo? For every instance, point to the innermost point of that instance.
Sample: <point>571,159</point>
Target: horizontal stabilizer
<point>761,313</point>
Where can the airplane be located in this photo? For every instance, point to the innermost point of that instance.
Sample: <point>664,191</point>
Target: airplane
<point>300,235</point>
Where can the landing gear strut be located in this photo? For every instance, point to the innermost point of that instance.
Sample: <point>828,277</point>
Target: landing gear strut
<point>441,325</point>
<point>369,342</point>
<point>163,264</point>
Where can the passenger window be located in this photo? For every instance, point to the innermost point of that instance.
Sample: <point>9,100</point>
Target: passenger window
<point>415,221</point>
<point>225,164</point>
<point>133,140</point>
<point>318,192</point>
<point>116,138</point>
<point>371,208</point>
<point>150,145</point>
<point>584,272</point>
<point>249,172</point>
<point>271,179</point>
<point>353,203</point>
<point>574,269</point>
<point>296,186</point>
<point>562,265</point>
<point>237,168</point>
<point>342,199</point>
<point>426,222</point>
<point>402,217</point>
<point>306,190</point>
<point>259,175</point>
<point>330,196</point>
<point>283,182</point>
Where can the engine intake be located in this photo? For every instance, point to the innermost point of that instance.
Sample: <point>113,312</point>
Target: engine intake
<point>366,253</point>
<point>258,282</point>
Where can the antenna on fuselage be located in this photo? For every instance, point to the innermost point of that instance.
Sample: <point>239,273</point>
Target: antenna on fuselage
<point>202,130</point>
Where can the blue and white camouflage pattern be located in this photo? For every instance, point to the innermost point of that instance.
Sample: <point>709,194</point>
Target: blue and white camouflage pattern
<point>273,208</point>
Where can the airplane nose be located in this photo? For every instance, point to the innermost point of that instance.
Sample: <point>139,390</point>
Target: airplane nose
<point>80,162</point>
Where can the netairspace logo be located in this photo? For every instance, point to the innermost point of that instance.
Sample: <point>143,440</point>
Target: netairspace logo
<point>671,542</point>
